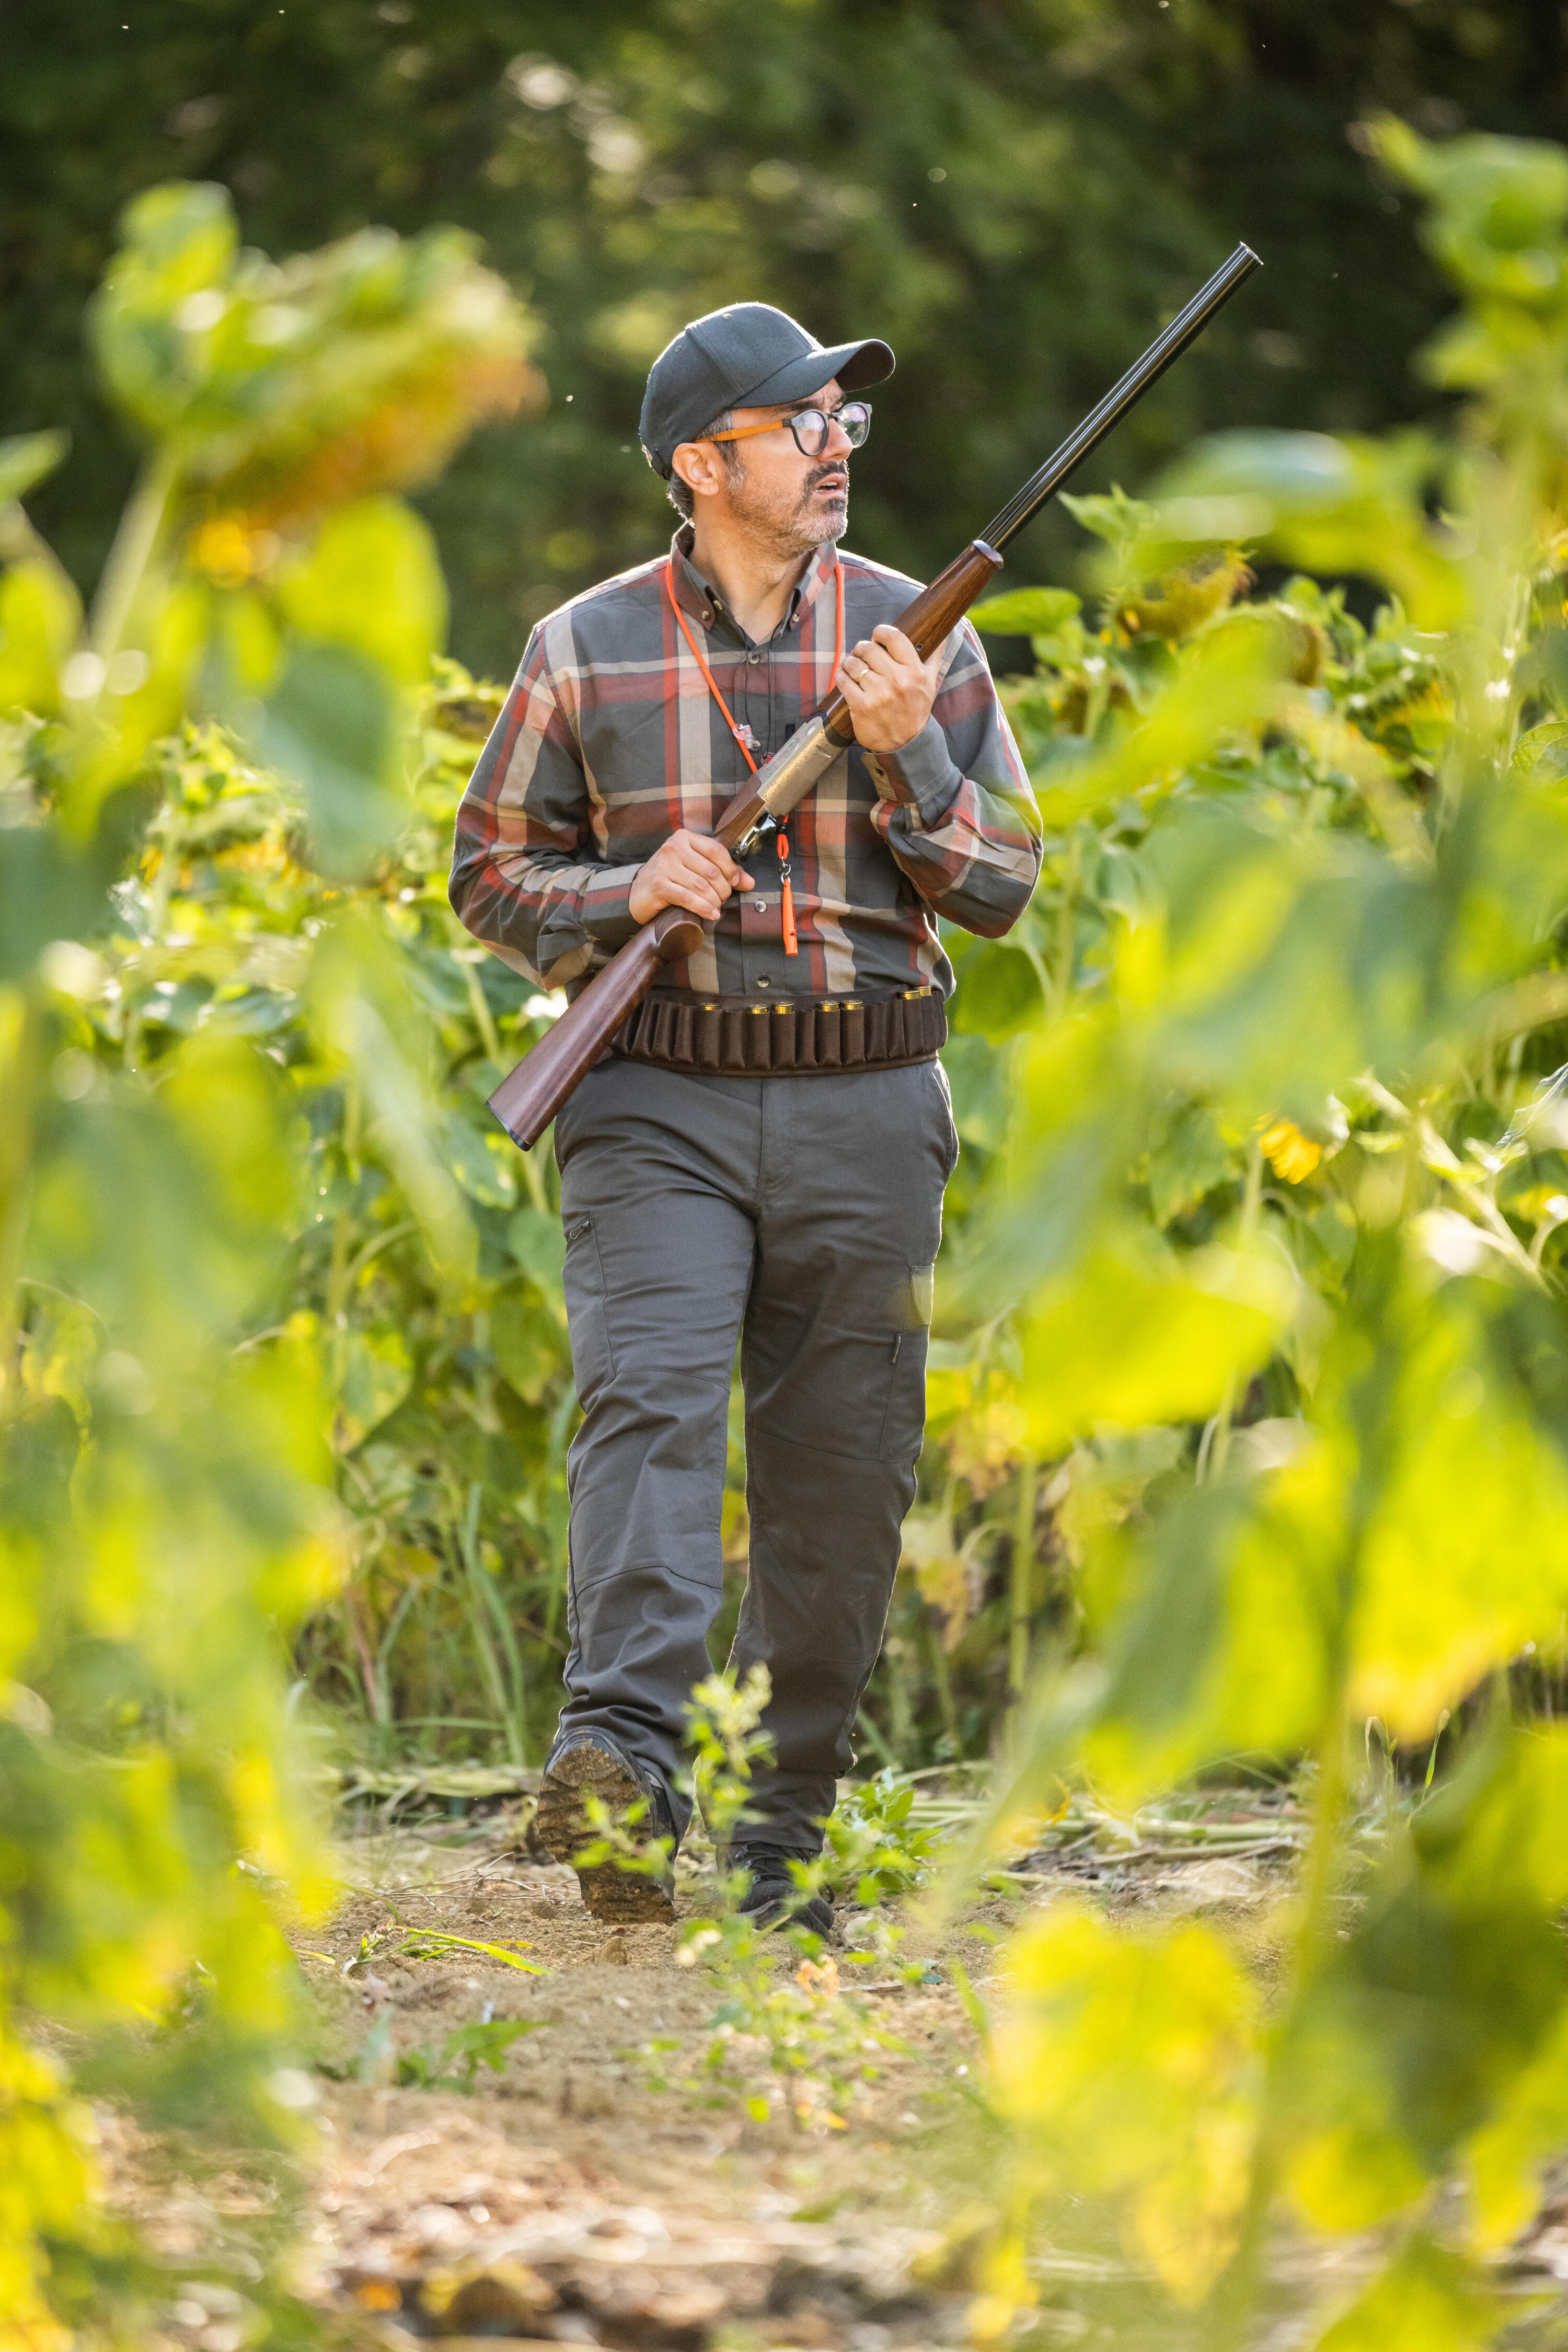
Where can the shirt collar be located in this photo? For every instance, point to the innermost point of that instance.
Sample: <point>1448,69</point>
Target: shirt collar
<point>703,603</point>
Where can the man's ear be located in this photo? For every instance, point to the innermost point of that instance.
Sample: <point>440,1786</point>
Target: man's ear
<point>700,467</point>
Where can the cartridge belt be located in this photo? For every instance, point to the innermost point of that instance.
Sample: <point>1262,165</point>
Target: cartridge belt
<point>796,1036</point>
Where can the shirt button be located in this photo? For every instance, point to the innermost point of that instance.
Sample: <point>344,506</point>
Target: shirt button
<point>751,660</point>
<point>761,904</point>
<point>764,983</point>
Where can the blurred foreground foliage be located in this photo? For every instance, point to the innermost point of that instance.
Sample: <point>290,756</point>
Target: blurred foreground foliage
<point>1281,1227</point>
<point>1246,1402</point>
<point>167,1505</point>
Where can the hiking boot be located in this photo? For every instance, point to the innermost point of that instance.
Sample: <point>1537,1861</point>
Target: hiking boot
<point>773,1899</point>
<point>589,1764</point>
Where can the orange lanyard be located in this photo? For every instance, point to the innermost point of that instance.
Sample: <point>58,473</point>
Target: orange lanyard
<point>791,944</point>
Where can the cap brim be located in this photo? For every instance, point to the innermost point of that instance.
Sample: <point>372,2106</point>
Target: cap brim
<point>855,365</point>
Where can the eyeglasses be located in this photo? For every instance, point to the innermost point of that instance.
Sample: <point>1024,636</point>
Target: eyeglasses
<point>810,426</point>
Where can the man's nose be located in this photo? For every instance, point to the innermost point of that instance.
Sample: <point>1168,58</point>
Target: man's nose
<point>838,443</point>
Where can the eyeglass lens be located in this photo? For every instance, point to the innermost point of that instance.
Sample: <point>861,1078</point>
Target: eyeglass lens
<point>811,426</point>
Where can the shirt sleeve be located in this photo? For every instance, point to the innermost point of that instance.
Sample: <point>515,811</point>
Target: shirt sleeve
<point>529,876</point>
<point>955,805</point>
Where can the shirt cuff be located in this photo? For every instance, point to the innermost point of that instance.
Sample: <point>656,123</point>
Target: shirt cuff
<point>599,915</point>
<point>920,774</point>
<point>607,916</point>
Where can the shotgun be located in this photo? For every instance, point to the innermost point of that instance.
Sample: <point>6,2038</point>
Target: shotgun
<point>526,1101</point>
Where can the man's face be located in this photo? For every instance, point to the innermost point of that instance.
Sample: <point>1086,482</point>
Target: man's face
<point>773,490</point>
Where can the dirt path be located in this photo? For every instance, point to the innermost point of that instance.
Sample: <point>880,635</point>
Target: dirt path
<point>644,2167</point>
<point>602,2185</point>
<point>658,2160</point>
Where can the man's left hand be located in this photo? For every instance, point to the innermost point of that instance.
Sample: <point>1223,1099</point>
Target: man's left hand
<point>889,688</point>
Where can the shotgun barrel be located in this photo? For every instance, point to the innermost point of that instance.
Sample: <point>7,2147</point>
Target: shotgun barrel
<point>1183,328</point>
<point>529,1097</point>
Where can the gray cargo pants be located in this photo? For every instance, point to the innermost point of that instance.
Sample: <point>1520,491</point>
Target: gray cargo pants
<point>803,1215</point>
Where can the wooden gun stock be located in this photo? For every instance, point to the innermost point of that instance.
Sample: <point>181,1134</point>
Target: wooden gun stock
<point>527,1100</point>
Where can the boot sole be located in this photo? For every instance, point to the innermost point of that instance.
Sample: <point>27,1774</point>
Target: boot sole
<point>617,1897</point>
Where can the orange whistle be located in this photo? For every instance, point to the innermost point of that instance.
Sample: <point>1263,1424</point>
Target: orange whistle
<point>791,943</point>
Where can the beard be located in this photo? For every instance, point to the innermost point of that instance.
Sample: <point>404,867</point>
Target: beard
<point>791,525</point>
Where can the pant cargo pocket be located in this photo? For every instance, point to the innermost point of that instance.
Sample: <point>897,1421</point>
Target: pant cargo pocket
<point>583,1280</point>
<point>903,1423</point>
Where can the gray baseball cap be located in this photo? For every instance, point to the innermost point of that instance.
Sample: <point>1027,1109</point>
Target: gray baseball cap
<point>748,355</point>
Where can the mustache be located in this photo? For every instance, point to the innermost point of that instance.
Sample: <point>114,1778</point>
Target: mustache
<point>821,474</point>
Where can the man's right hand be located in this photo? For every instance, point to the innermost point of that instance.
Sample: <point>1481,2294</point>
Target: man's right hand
<point>691,871</point>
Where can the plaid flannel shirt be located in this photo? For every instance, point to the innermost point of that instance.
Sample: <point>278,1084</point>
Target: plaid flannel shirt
<point>610,740</point>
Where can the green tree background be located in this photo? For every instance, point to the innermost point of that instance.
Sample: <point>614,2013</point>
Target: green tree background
<point>1012,191</point>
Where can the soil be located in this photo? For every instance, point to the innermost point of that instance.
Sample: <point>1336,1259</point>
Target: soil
<point>600,2185</point>
<point>573,2201</point>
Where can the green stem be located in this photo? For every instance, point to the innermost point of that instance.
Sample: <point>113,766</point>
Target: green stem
<point>338,1275</point>
<point>1067,922</point>
<point>135,544</point>
<point>1021,1596</point>
<point>1235,2297</point>
<point>511,1706</point>
<point>21,1069</point>
<point>941,1677</point>
<point>374,1248</point>
<point>533,1177</point>
<point>484,1019</point>
<point>1236,2294</point>
<point>376,1697</point>
<point>868,1730</point>
<point>900,1699</point>
<point>1251,1200</point>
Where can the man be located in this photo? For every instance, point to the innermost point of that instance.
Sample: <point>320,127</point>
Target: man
<point>764,1156</point>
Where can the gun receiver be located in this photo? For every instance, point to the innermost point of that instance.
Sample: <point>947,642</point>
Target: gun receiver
<point>528,1100</point>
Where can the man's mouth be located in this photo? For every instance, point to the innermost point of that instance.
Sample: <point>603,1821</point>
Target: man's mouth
<point>831,485</point>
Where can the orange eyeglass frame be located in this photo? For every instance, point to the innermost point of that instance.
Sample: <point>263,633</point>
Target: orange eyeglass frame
<point>744,432</point>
